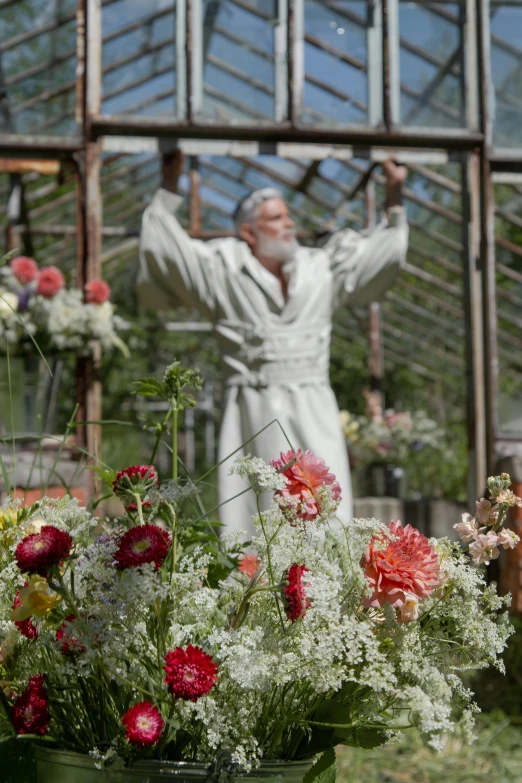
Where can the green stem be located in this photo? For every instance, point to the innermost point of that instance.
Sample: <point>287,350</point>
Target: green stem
<point>269,560</point>
<point>164,736</point>
<point>139,507</point>
<point>67,595</point>
<point>175,442</point>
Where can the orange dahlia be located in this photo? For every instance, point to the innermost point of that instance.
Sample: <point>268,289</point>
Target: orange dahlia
<point>400,563</point>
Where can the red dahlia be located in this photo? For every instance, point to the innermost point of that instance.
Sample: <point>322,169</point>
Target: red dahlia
<point>50,281</point>
<point>26,627</point>
<point>136,480</point>
<point>24,269</point>
<point>191,673</point>
<point>30,712</point>
<point>144,724</point>
<point>296,602</point>
<point>96,292</point>
<point>142,544</point>
<point>36,553</point>
<point>68,643</point>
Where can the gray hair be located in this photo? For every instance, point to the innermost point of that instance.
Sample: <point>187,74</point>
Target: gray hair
<point>245,211</point>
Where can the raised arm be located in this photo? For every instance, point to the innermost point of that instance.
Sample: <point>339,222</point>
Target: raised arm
<point>364,267</point>
<point>174,269</point>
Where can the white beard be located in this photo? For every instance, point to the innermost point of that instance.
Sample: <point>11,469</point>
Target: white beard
<point>281,250</point>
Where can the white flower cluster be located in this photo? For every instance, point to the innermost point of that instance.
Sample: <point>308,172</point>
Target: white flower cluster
<point>296,647</point>
<point>70,323</point>
<point>260,476</point>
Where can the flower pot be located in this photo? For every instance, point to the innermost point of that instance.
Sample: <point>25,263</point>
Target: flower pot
<point>386,481</point>
<point>57,766</point>
<point>28,399</point>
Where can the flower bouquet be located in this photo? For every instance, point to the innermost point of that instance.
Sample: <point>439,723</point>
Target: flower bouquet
<point>147,645</point>
<point>400,442</point>
<point>36,306</point>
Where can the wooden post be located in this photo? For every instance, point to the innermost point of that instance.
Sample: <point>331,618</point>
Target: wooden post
<point>511,565</point>
<point>89,208</point>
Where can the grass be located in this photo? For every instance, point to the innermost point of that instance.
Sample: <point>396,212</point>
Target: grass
<point>495,757</point>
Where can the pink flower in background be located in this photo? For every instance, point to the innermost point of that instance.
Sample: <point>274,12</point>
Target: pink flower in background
<point>96,292</point>
<point>508,497</point>
<point>408,564</point>
<point>402,420</point>
<point>24,269</point>
<point>485,548</point>
<point>466,529</point>
<point>50,282</point>
<point>486,513</point>
<point>508,538</point>
<point>304,479</point>
<point>144,724</point>
<point>248,564</point>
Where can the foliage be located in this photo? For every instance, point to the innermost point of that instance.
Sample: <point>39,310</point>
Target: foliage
<point>494,757</point>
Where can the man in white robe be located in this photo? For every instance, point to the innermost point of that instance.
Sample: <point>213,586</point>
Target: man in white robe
<point>271,302</point>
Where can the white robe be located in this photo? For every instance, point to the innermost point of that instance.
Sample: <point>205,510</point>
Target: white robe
<point>275,352</point>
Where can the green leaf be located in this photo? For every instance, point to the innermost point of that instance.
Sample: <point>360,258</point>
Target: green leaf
<point>365,737</point>
<point>150,387</point>
<point>107,476</point>
<point>5,476</point>
<point>324,769</point>
<point>8,256</point>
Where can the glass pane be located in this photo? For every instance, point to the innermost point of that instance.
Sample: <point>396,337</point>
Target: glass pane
<point>506,73</point>
<point>424,333</point>
<point>139,57</point>
<point>239,60</point>
<point>431,71</point>
<point>38,67</point>
<point>336,63</point>
<point>508,254</point>
<point>47,227</point>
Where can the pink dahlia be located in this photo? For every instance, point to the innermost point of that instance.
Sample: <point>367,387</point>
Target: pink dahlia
<point>26,627</point>
<point>67,642</point>
<point>30,711</point>
<point>36,553</point>
<point>305,479</point>
<point>96,292</point>
<point>140,545</point>
<point>296,602</point>
<point>144,724</point>
<point>24,269</point>
<point>50,281</point>
<point>191,673</point>
<point>405,565</point>
<point>135,480</point>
